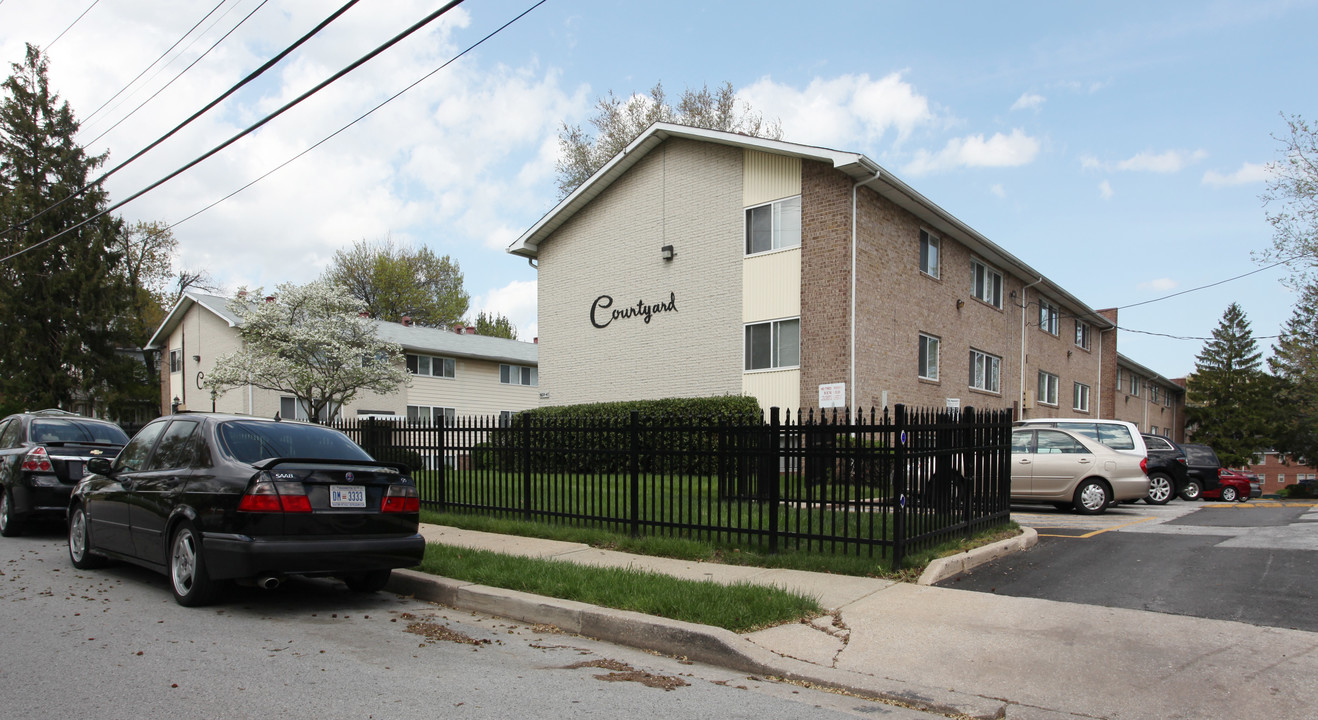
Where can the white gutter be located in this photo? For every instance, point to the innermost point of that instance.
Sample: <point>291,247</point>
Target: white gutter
<point>1025,306</point>
<point>852,362</point>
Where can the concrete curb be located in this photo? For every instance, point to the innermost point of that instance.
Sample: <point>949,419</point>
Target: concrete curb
<point>944,568</point>
<point>700,643</point>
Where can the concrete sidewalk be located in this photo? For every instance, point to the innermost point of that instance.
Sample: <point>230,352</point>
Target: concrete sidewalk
<point>942,650</point>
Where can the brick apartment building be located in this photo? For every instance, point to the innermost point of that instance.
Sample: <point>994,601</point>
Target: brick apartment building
<point>1276,471</point>
<point>699,262</point>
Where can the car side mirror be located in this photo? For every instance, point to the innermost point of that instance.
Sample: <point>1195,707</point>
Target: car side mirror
<point>100,465</point>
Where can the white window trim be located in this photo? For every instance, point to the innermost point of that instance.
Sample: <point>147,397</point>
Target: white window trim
<point>774,231</point>
<point>1082,332</point>
<point>1049,318</point>
<point>923,369</point>
<point>442,359</point>
<point>534,375</point>
<point>996,365</point>
<point>931,240</point>
<point>450,413</point>
<point>990,272</point>
<point>1077,395</point>
<point>775,351</point>
<point>1048,388</point>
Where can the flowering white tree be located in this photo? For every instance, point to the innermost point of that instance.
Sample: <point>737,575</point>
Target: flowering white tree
<point>312,342</point>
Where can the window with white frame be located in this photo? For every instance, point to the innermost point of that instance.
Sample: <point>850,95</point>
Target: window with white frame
<point>1133,386</point>
<point>929,247</point>
<point>1082,334</point>
<point>928,356</point>
<point>985,371</point>
<point>1080,397</point>
<point>175,361</point>
<point>985,283</point>
<point>519,375</point>
<point>506,417</point>
<point>1153,430</point>
<point>1047,388</point>
<point>1153,393</point>
<point>1050,320</point>
<point>774,344</point>
<point>290,408</point>
<point>428,366</point>
<point>430,414</point>
<point>773,226</point>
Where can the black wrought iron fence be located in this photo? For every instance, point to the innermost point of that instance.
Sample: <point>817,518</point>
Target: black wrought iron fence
<point>833,483</point>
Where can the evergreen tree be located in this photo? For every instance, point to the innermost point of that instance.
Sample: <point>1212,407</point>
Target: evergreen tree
<point>495,325</point>
<point>62,304</point>
<point>1294,363</point>
<point>1227,405</point>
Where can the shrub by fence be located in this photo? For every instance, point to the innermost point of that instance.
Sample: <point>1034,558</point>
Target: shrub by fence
<point>827,483</point>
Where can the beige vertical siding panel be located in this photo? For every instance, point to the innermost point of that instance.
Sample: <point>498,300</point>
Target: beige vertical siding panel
<point>770,177</point>
<point>779,388</point>
<point>771,286</point>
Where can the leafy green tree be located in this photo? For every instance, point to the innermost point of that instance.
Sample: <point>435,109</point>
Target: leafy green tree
<point>1294,363</point>
<point>1293,190</point>
<point>310,342</point>
<point>148,251</point>
<point>1227,406</point>
<point>63,303</point>
<point>618,121</point>
<point>495,325</point>
<point>395,282</point>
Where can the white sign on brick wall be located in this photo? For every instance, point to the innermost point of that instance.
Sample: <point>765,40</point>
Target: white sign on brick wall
<point>833,395</point>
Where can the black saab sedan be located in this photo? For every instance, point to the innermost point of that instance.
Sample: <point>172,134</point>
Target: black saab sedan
<point>209,498</point>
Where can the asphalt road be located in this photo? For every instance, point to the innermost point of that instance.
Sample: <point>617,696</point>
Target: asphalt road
<point>1254,562</point>
<point>112,643</point>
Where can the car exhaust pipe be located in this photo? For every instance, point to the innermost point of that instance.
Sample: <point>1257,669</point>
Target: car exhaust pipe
<point>268,582</point>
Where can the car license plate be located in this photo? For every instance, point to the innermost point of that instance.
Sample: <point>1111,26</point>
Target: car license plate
<point>347,496</point>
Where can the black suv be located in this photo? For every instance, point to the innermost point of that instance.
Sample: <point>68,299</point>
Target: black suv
<point>1203,466</point>
<point>43,454</point>
<point>1167,469</point>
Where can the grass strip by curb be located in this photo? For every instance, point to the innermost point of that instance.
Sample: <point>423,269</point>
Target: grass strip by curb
<point>740,607</point>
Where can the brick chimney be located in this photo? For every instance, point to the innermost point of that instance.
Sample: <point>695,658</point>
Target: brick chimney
<point>458,328</point>
<point>471,330</point>
<point>406,320</point>
<point>535,340</point>
<point>269,298</point>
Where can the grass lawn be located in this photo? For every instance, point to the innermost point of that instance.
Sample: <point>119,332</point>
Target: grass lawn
<point>740,608</point>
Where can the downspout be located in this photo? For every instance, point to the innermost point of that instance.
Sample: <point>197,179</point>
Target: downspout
<point>852,362</point>
<point>1025,304</point>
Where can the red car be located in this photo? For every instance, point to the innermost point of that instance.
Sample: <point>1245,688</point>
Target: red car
<point>1231,486</point>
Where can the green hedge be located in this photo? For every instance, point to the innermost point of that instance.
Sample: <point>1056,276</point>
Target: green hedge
<point>680,436</point>
<point>1300,490</point>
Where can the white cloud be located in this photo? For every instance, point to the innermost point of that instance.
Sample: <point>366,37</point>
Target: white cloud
<point>842,111</point>
<point>515,301</point>
<point>998,190</point>
<point>1170,161</point>
<point>1105,190</point>
<point>1246,174</point>
<point>975,151</point>
<point>1028,101</point>
<point>1159,285</point>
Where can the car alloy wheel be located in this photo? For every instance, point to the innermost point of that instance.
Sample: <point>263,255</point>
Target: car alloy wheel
<point>1191,491</point>
<point>80,542</point>
<point>1160,489</point>
<point>188,579</point>
<point>1228,494</point>
<point>9,524</point>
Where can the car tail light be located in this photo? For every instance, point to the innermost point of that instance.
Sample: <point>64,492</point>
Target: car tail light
<point>267,497</point>
<point>401,499</point>
<point>36,460</point>
<point>1144,465</point>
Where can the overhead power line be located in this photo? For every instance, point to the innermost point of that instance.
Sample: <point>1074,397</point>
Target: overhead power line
<point>180,74</point>
<point>361,117</point>
<point>51,44</point>
<point>250,129</point>
<point>153,63</point>
<point>250,77</point>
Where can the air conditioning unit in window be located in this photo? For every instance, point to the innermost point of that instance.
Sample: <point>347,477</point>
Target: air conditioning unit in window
<point>1029,400</point>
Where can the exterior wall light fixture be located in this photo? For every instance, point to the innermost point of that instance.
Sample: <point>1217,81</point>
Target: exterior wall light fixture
<point>667,252</point>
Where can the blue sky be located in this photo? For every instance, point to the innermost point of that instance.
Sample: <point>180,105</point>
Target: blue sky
<point>1119,148</point>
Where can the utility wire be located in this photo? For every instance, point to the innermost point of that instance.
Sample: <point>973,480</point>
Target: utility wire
<point>361,117</point>
<point>250,77</point>
<point>249,130</point>
<point>51,44</point>
<point>179,75</point>
<point>153,63</point>
<point>175,59</point>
